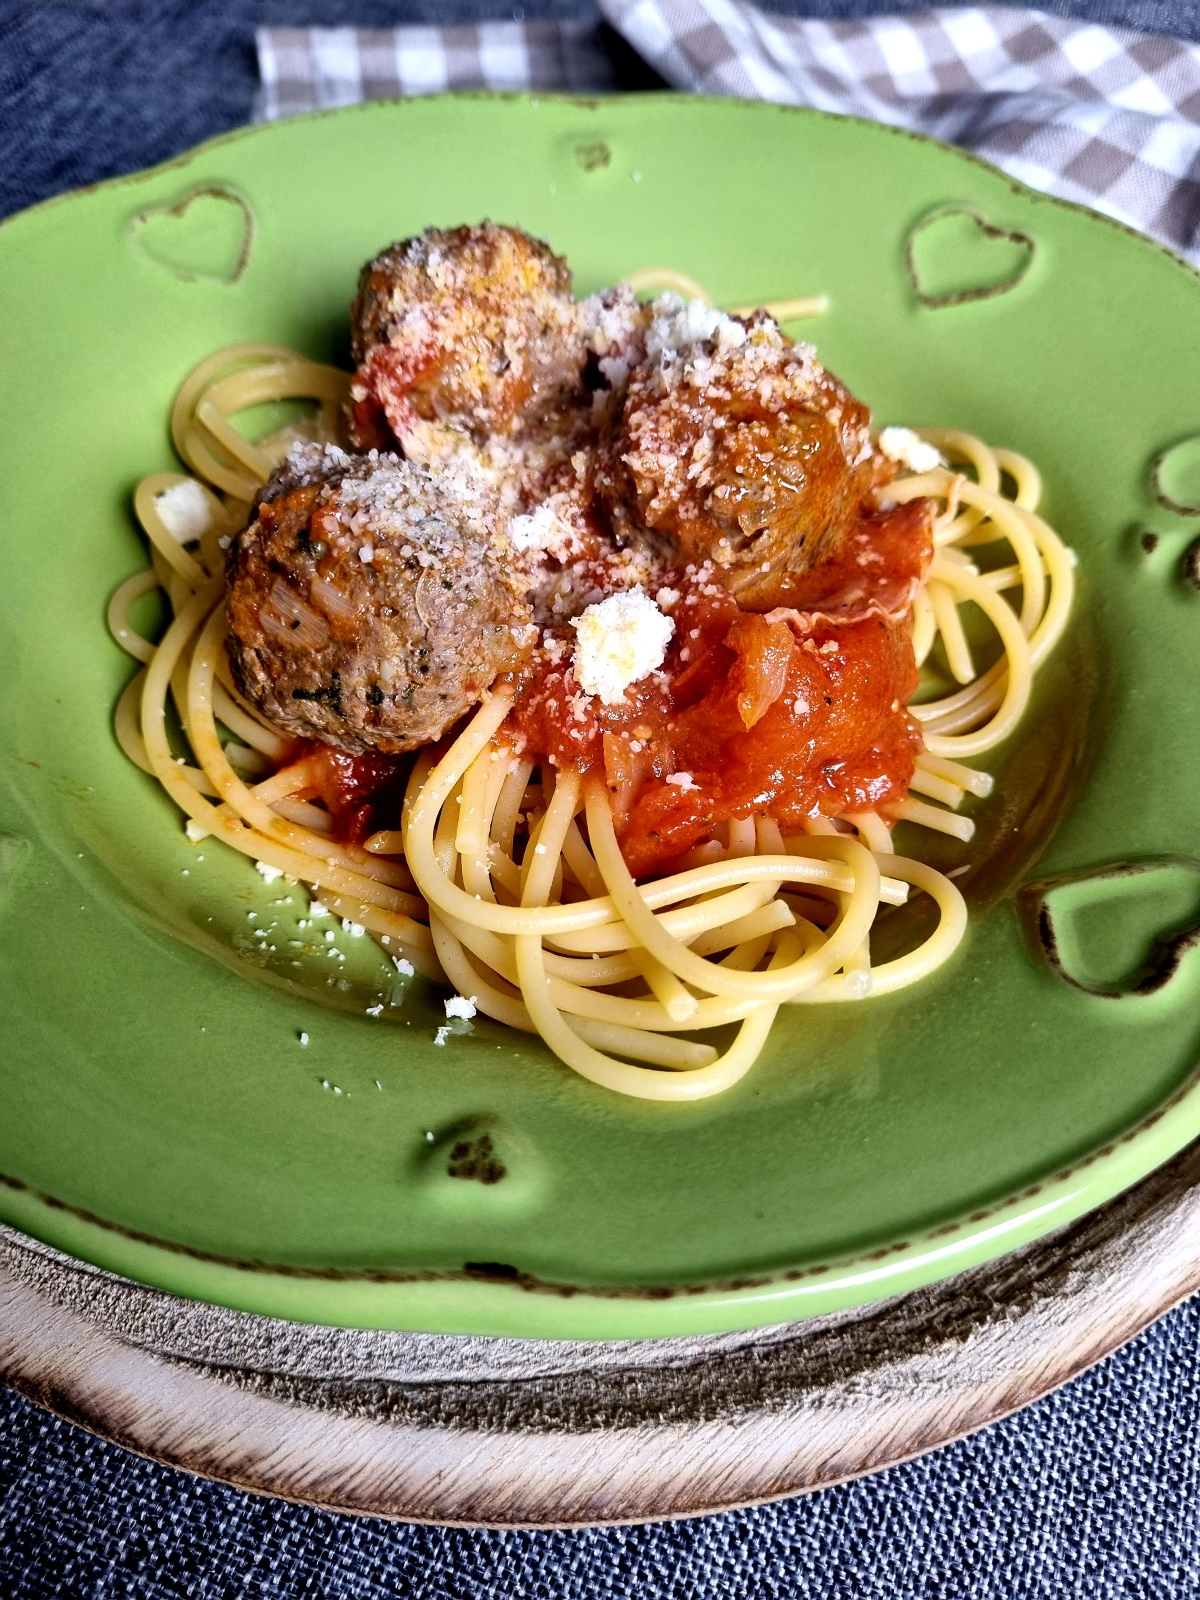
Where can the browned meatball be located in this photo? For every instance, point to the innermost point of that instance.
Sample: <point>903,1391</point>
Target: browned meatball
<point>742,446</point>
<point>475,326</point>
<point>369,606</point>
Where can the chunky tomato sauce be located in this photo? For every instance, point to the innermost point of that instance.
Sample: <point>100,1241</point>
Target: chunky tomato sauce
<point>791,714</point>
<point>361,793</point>
<point>744,718</point>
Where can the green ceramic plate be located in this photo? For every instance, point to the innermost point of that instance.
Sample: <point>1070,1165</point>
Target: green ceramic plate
<point>162,1116</point>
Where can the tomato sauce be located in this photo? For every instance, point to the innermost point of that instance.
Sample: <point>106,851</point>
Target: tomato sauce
<point>787,715</point>
<point>361,793</point>
<point>791,715</point>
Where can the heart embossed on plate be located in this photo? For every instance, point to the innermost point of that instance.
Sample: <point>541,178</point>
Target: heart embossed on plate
<point>1122,928</point>
<point>1175,477</point>
<point>205,237</point>
<point>953,256</point>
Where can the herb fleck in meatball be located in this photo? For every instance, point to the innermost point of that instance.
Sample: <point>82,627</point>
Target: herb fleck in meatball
<point>475,327</point>
<point>370,606</point>
<point>740,445</point>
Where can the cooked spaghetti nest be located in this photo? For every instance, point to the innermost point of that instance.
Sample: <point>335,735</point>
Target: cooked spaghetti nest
<point>504,880</point>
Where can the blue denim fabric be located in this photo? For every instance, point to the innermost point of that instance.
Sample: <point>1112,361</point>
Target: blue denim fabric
<point>1093,1492</point>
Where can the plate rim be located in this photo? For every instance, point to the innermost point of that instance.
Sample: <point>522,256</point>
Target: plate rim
<point>765,1417</point>
<point>591,102</point>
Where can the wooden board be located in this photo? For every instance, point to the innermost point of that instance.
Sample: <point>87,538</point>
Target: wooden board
<point>504,1432</point>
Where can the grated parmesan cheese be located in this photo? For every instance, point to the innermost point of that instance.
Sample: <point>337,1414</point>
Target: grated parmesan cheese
<point>619,642</point>
<point>267,873</point>
<point>684,781</point>
<point>679,323</point>
<point>403,967</point>
<point>459,1006</point>
<point>541,529</point>
<point>909,450</point>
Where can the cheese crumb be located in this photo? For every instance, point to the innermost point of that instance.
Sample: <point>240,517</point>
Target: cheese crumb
<point>403,967</point>
<point>184,510</point>
<point>194,831</point>
<point>442,1035</point>
<point>354,929</point>
<point>366,553</point>
<point>908,449</point>
<point>666,598</point>
<point>620,641</point>
<point>375,1011</point>
<point>303,1038</point>
<point>684,781</point>
<point>269,874</point>
<point>541,529</point>
<point>459,1006</point>
<point>679,323</point>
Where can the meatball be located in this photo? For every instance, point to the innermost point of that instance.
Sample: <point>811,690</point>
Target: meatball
<point>740,445</point>
<point>475,327</point>
<point>370,606</point>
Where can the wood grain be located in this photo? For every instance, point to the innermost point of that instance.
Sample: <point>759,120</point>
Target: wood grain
<point>529,1433</point>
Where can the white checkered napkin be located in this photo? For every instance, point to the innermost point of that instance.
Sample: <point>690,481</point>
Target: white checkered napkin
<point>315,69</point>
<point>1104,116</point>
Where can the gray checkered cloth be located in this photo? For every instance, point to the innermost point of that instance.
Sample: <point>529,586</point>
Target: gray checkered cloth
<point>1102,115</point>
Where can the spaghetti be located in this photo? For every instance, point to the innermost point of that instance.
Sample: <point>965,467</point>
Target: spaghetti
<point>505,879</point>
